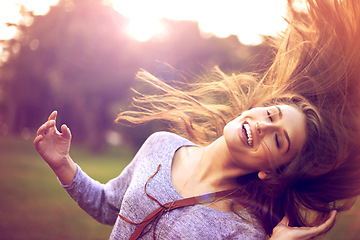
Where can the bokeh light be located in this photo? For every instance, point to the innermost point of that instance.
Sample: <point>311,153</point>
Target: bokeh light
<point>246,19</point>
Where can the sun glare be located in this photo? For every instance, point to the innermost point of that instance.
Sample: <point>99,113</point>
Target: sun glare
<point>10,13</point>
<point>246,19</point>
<point>144,29</point>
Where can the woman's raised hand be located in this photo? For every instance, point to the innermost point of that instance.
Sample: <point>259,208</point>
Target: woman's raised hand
<point>54,146</point>
<point>283,231</point>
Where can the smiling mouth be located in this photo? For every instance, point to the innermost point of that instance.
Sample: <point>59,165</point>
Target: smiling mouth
<point>248,134</point>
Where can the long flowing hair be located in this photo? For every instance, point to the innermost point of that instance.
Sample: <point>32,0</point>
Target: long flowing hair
<point>317,69</point>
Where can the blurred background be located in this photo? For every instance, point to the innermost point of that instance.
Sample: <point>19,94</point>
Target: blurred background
<point>80,57</point>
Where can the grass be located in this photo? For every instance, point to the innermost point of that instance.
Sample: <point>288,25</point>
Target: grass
<point>32,203</point>
<point>34,206</point>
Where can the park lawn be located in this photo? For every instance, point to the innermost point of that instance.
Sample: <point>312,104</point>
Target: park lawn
<point>34,206</point>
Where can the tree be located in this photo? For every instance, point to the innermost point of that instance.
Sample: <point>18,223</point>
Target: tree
<point>79,60</point>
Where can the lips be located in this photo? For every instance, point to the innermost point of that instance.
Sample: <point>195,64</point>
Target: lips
<point>246,135</point>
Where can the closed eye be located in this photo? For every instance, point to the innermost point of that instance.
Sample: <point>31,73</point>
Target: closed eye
<point>269,115</point>
<point>277,140</point>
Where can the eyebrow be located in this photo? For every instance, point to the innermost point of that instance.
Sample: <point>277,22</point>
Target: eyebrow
<point>285,132</point>
<point>280,112</point>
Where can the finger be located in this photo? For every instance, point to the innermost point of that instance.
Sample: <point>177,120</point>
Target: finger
<point>38,139</point>
<point>41,129</point>
<point>52,116</point>
<point>50,128</point>
<point>324,227</point>
<point>285,221</point>
<point>66,131</point>
<point>329,223</point>
<point>51,125</point>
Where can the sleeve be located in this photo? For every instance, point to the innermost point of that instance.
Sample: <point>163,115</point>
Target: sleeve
<point>101,201</point>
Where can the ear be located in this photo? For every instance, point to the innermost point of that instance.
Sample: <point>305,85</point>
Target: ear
<point>262,175</point>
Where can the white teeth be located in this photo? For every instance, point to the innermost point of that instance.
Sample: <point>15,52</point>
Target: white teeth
<point>248,133</point>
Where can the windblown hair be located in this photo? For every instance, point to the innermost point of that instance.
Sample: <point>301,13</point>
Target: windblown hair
<point>317,69</point>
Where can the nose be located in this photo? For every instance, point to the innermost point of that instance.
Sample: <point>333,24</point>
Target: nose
<point>264,128</point>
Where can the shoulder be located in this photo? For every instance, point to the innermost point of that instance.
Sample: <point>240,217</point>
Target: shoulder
<point>164,135</point>
<point>161,144</point>
<point>163,139</point>
<point>240,225</point>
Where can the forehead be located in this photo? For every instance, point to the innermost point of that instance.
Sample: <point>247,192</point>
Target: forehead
<point>294,122</point>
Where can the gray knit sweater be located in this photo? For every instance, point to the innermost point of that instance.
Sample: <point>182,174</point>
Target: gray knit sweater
<point>125,195</point>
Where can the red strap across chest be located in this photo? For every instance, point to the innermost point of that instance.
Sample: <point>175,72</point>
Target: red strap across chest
<point>155,216</point>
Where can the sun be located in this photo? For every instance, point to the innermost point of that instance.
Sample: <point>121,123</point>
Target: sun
<point>142,29</point>
<point>248,20</point>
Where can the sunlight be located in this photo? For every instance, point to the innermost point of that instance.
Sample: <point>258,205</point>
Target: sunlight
<point>248,20</point>
<point>143,23</point>
<point>143,29</point>
<point>37,6</point>
<point>10,13</point>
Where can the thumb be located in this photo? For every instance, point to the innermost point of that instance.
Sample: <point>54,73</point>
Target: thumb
<point>66,131</point>
<point>285,221</point>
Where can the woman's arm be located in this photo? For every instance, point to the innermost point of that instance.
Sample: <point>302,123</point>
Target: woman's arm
<point>283,231</point>
<point>54,147</point>
<point>101,201</point>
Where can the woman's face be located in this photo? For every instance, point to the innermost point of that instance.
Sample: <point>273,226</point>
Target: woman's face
<point>265,137</point>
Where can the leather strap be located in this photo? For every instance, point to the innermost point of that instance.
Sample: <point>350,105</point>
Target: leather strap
<point>155,216</point>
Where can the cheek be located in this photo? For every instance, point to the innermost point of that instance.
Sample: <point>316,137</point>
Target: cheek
<point>267,147</point>
<point>258,159</point>
<point>231,132</point>
<point>264,159</point>
<point>273,158</point>
<point>266,154</point>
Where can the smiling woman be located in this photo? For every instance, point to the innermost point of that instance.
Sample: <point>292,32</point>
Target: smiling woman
<point>259,147</point>
<point>267,137</point>
<point>315,74</point>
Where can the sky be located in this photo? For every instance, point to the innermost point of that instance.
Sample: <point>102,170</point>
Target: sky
<point>247,19</point>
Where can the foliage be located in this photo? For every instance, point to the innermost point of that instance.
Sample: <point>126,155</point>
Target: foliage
<point>79,60</point>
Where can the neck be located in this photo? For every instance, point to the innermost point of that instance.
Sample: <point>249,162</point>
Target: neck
<point>196,171</point>
<point>217,168</point>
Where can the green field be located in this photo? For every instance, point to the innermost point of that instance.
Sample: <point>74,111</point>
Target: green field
<point>32,203</point>
<point>34,206</point>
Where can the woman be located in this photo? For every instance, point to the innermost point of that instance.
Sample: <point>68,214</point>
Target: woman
<point>298,138</point>
<point>194,171</point>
